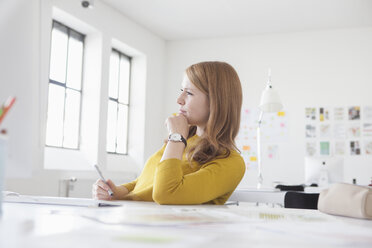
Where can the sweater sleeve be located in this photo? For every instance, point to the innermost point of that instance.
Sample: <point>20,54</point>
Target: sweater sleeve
<point>147,169</point>
<point>213,180</point>
<point>130,186</point>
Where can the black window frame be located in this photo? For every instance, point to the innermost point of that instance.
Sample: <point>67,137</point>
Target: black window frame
<point>69,33</point>
<point>116,100</point>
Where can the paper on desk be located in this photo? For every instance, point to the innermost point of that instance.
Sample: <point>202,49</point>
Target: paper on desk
<point>318,233</point>
<point>165,216</point>
<point>293,226</point>
<point>101,237</point>
<point>67,201</point>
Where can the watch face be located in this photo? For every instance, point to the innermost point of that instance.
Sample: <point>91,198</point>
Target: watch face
<point>175,137</point>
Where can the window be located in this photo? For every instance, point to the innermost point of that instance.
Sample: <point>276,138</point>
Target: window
<point>118,103</point>
<point>64,97</point>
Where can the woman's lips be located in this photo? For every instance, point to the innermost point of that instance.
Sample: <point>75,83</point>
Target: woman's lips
<point>182,112</point>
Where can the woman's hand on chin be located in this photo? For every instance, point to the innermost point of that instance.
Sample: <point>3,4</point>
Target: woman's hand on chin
<point>178,124</point>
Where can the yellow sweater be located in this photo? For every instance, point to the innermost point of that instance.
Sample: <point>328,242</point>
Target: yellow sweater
<point>174,181</point>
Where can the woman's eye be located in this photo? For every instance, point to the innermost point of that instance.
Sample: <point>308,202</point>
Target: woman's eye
<point>187,92</point>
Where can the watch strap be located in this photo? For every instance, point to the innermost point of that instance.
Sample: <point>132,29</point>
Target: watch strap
<point>184,140</point>
<point>181,137</point>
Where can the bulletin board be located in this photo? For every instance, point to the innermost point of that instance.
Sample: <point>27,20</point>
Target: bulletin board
<point>274,130</point>
<point>340,130</point>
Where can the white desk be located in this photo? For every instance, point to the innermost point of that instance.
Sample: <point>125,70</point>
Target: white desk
<point>271,196</point>
<point>261,196</point>
<point>143,224</point>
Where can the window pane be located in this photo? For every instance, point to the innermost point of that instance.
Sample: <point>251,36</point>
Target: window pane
<point>122,129</point>
<point>58,53</point>
<point>124,80</point>
<point>72,116</point>
<point>54,133</point>
<point>114,75</point>
<point>75,61</point>
<point>111,126</point>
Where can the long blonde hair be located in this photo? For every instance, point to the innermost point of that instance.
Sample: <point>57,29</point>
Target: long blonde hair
<point>220,82</point>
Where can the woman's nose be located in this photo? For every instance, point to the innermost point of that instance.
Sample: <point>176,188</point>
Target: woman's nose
<point>180,99</point>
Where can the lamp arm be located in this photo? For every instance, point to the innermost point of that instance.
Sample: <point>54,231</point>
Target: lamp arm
<point>259,176</point>
<point>260,118</point>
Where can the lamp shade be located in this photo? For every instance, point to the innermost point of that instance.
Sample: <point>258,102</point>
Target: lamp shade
<point>270,100</point>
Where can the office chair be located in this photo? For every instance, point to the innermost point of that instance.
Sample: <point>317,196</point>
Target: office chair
<point>282,187</point>
<point>301,200</point>
<point>296,198</point>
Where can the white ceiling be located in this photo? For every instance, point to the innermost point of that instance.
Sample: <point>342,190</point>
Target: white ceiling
<point>194,19</point>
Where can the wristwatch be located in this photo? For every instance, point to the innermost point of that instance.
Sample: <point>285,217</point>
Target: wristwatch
<point>176,137</point>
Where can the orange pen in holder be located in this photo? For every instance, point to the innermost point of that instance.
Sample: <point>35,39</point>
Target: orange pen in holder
<point>5,108</point>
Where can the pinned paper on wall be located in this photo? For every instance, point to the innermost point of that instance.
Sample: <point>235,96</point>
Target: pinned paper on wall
<point>367,129</point>
<point>339,131</point>
<point>246,138</point>
<point>325,130</point>
<point>274,126</point>
<point>248,125</point>
<point>367,113</point>
<point>339,114</point>
<point>354,113</point>
<point>249,154</point>
<point>324,114</point>
<point>310,131</point>
<point>368,147</point>
<point>310,149</point>
<point>310,114</point>
<point>340,148</point>
<point>324,148</point>
<point>274,129</point>
<point>354,130</point>
<point>354,148</point>
<point>272,152</point>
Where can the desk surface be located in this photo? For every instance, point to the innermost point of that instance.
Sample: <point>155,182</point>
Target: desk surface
<point>144,224</point>
<point>263,196</point>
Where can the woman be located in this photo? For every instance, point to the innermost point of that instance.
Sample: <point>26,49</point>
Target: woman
<point>207,167</point>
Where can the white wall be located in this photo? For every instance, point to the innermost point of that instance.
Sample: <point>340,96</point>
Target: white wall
<point>24,48</point>
<point>324,68</point>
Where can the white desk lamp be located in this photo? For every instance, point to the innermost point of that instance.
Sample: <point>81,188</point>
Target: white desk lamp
<point>270,102</point>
